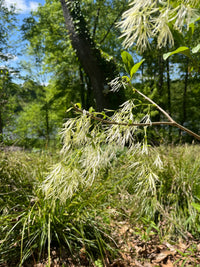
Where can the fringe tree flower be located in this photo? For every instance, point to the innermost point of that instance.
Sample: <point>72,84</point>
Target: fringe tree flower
<point>164,36</point>
<point>145,20</point>
<point>184,15</point>
<point>136,23</point>
<point>116,84</point>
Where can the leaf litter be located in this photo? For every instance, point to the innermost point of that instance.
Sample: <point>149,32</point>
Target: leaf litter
<point>133,251</point>
<point>138,252</point>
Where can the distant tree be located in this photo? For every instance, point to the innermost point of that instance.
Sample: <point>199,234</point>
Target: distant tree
<point>36,121</point>
<point>49,31</point>
<point>7,24</point>
<point>9,103</point>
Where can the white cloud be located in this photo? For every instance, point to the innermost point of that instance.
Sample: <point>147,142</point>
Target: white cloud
<point>33,5</point>
<point>21,5</point>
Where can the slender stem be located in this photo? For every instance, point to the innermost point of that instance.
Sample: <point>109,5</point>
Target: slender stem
<point>171,122</point>
<point>122,123</point>
<point>187,130</point>
<point>156,105</point>
<point>113,24</point>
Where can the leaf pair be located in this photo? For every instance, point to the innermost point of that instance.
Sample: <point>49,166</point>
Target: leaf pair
<point>130,67</point>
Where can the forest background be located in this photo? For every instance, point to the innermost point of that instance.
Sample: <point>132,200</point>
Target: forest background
<point>33,109</point>
<point>103,81</point>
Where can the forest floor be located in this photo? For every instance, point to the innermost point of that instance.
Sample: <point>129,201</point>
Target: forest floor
<point>159,241</point>
<point>134,251</point>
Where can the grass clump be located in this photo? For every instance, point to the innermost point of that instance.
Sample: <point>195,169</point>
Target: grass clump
<point>152,190</point>
<point>20,173</point>
<point>31,225</point>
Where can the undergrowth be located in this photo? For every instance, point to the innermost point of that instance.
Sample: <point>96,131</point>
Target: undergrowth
<point>150,191</point>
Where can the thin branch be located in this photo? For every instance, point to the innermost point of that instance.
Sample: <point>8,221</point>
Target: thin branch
<point>158,107</point>
<point>112,25</point>
<point>186,130</point>
<point>95,23</point>
<point>172,122</point>
<point>121,123</point>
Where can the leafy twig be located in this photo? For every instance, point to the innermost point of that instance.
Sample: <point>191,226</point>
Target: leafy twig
<point>171,122</point>
<point>119,123</point>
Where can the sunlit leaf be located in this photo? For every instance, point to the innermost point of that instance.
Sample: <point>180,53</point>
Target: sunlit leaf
<point>78,105</point>
<point>127,60</point>
<point>181,50</point>
<point>126,78</point>
<point>136,67</point>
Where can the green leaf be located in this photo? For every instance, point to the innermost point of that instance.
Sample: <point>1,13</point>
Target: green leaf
<point>89,135</point>
<point>192,23</point>
<point>136,67</point>
<point>196,206</point>
<point>126,79</point>
<point>91,110</point>
<point>69,109</point>
<point>181,50</point>
<point>128,61</point>
<point>78,105</point>
<point>196,49</point>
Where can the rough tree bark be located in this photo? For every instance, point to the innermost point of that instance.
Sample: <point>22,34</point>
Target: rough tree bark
<point>1,128</point>
<point>87,54</point>
<point>185,93</point>
<point>169,95</point>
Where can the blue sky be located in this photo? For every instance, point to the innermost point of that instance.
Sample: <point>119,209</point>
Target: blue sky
<point>23,9</point>
<point>24,6</point>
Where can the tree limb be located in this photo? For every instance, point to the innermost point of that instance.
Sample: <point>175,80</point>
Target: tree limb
<point>171,122</point>
<point>120,123</point>
<point>96,22</point>
<point>112,25</point>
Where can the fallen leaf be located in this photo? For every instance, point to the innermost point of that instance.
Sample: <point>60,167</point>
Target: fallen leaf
<point>162,255</point>
<point>168,264</point>
<point>123,229</point>
<point>138,264</point>
<point>182,246</point>
<point>147,264</point>
<point>138,250</point>
<point>161,247</point>
<point>171,247</point>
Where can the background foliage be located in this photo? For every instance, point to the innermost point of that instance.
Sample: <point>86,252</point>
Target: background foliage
<point>115,187</point>
<point>171,83</point>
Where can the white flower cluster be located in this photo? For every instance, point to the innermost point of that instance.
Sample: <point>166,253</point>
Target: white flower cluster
<point>147,19</point>
<point>117,83</point>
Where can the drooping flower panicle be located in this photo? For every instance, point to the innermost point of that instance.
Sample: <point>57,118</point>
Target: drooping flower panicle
<point>145,20</point>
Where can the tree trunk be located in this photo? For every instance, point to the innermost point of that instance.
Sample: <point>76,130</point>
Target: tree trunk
<point>1,128</point>
<point>160,71</point>
<point>169,96</point>
<point>82,88</point>
<point>47,124</point>
<point>87,54</point>
<point>185,94</point>
<point>168,89</point>
<point>184,112</point>
<point>160,81</point>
